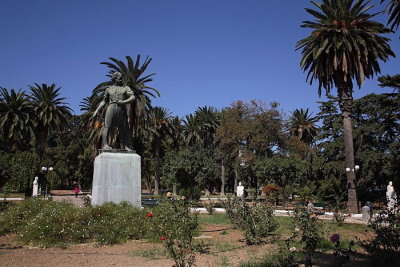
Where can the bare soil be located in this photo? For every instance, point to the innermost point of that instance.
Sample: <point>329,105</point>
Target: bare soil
<point>222,246</point>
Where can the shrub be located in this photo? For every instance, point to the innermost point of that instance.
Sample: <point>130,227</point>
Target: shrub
<point>45,223</point>
<point>176,226</point>
<point>385,243</point>
<point>310,230</point>
<point>257,222</point>
<point>113,223</point>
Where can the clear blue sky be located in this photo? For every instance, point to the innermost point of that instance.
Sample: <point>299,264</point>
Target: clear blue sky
<point>205,52</point>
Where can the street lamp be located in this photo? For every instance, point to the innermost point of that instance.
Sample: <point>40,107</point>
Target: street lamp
<point>46,170</point>
<point>352,173</point>
<point>356,168</point>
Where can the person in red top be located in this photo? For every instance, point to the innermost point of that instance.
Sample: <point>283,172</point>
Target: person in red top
<point>76,190</point>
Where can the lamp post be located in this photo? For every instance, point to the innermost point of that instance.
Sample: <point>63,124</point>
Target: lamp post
<point>353,171</point>
<point>46,170</point>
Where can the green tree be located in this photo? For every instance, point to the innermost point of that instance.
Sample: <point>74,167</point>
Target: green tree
<point>345,44</point>
<point>390,81</point>
<point>160,127</point>
<point>209,122</point>
<point>303,126</point>
<point>16,118</point>
<point>52,113</point>
<point>393,8</point>
<point>191,168</point>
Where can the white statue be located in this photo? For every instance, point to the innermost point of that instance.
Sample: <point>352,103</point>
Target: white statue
<point>240,190</point>
<point>35,187</point>
<point>391,197</point>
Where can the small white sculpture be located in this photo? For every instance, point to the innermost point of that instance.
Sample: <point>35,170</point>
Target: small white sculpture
<point>391,197</point>
<point>240,190</point>
<point>35,187</point>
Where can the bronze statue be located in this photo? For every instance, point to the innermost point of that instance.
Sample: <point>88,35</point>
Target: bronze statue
<point>117,96</point>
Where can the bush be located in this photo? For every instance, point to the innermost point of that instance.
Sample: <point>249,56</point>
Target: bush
<point>45,223</point>
<point>385,243</point>
<point>310,230</point>
<point>176,226</point>
<point>113,223</point>
<point>257,222</point>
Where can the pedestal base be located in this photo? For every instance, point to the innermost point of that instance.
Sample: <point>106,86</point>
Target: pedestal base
<point>116,178</point>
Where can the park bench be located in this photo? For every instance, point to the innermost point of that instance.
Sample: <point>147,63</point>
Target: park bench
<point>149,201</point>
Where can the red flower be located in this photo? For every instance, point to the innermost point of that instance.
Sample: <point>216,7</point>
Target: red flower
<point>335,238</point>
<point>149,215</point>
<point>163,238</point>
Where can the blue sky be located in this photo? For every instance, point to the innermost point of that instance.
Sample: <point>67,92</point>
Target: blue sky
<point>205,52</point>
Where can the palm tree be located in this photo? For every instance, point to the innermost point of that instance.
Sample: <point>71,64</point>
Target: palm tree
<point>191,130</point>
<point>345,44</point>
<point>16,116</point>
<point>160,127</point>
<point>209,121</point>
<point>51,110</point>
<point>393,9</point>
<point>303,126</point>
<point>132,72</point>
<point>91,128</point>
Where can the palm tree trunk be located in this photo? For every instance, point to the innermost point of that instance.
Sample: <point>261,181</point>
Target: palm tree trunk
<point>346,103</point>
<point>41,140</point>
<point>222,193</point>
<point>158,163</point>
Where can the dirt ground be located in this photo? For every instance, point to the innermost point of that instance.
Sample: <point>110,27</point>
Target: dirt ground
<point>223,246</point>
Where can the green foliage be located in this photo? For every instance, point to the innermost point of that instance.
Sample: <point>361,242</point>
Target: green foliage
<point>191,167</point>
<point>176,226</point>
<point>345,44</point>
<point>280,170</point>
<point>22,170</point>
<point>16,118</point>
<point>5,172</point>
<point>45,223</point>
<point>113,223</point>
<point>390,81</point>
<point>257,221</point>
<point>282,258</point>
<point>310,230</point>
<point>384,245</point>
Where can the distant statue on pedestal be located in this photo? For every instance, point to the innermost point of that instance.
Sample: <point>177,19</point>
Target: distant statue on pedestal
<point>391,197</point>
<point>117,96</point>
<point>240,190</point>
<point>35,187</point>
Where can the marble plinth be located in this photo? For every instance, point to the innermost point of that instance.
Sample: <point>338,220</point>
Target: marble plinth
<point>116,178</point>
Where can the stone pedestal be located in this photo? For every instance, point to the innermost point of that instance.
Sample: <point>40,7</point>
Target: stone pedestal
<point>366,213</point>
<point>116,178</point>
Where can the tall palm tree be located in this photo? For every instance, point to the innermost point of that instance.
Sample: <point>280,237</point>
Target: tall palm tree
<point>160,127</point>
<point>191,130</point>
<point>345,44</point>
<point>91,128</point>
<point>16,116</point>
<point>303,126</point>
<point>393,9</point>
<point>132,72</point>
<point>51,110</point>
<point>209,121</point>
